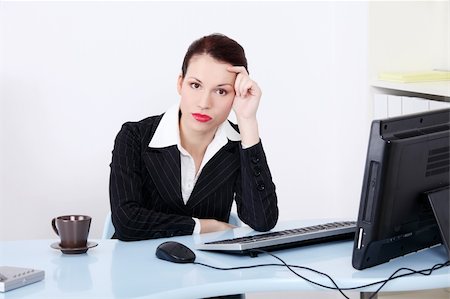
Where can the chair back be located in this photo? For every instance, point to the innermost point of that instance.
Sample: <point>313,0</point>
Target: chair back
<point>108,227</point>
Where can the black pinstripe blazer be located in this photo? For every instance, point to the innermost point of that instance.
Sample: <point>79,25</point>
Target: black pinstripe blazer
<point>145,186</point>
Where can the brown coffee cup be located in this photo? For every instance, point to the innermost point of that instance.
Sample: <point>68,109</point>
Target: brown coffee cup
<point>72,229</point>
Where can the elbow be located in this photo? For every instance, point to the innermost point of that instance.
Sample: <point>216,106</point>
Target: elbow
<point>128,235</point>
<point>124,238</point>
<point>128,239</point>
<point>122,229</point>
<point>262,228</point>
<point>122,235</point>
<point>265,227</point>
<point>267,224</point>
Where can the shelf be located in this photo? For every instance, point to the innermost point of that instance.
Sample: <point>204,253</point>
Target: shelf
<point>440,88</point>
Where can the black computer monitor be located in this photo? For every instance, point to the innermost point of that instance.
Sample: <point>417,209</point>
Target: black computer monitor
<point>407,156</point>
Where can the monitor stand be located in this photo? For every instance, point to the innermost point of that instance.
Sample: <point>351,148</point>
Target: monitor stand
<point>440,203</point>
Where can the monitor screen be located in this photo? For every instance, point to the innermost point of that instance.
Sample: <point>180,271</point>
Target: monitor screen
<point>407,157</point>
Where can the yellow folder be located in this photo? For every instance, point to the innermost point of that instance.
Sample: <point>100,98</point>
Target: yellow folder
<point>408,77</point>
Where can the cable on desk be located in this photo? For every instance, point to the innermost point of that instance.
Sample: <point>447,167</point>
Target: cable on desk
<point>425,272</point>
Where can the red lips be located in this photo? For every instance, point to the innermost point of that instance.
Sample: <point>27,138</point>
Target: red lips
<point>201,117</point>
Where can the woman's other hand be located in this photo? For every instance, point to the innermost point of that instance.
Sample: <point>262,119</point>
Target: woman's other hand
<point>213,225</point>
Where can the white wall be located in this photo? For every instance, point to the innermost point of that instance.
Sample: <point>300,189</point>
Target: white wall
<point>72,73</point>
<point>408,36</point>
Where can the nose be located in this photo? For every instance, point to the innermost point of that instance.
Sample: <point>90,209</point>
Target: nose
<point>204,101</point>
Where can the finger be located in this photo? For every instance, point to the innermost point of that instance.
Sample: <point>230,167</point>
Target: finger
<point>246,86</point>
<point>238,83</point>
<point>237,70</point>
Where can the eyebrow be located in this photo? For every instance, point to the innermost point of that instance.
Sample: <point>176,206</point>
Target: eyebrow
<point>219,85</point>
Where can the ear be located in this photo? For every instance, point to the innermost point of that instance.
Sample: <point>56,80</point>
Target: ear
<point>179,83</point>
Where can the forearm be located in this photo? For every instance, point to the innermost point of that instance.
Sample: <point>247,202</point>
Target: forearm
<point>249,132</point>
<point>255,193</point>
<point>133,223</point>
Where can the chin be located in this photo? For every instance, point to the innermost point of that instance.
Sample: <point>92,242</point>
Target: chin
<point>203,127</point>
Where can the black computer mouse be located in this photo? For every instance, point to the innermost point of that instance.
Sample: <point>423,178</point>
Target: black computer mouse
<point>175,252</point>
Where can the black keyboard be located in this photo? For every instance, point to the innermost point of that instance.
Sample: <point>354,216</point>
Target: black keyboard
<point>285,239</point>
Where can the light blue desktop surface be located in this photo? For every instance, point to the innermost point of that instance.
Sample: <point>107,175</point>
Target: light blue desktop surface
<point>116,269</point>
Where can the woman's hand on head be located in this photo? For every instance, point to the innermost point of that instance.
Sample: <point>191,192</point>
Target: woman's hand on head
<point>213,225</point>
<point>248,94</point>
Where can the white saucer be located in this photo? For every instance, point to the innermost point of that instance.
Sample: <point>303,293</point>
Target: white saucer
<point>79,250</point>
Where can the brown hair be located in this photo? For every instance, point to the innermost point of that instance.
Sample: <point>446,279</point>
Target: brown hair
<point>218,46</point>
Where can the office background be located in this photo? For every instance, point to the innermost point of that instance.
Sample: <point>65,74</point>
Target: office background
<point>72,72</point>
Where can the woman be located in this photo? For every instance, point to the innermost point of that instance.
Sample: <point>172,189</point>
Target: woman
<point>178,173</point>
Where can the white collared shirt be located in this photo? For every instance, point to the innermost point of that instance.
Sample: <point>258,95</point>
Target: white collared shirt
<point>168,133</point>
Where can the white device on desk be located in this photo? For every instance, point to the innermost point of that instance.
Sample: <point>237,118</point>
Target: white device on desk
<point>15,277</point>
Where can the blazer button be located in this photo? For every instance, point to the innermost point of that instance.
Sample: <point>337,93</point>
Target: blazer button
<point>255,160</point>
<point>261,186</point>
<point>257,171</point>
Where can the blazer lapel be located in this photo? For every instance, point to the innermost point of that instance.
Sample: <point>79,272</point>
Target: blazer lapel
<point>224,163</point>
<point>163,164</point>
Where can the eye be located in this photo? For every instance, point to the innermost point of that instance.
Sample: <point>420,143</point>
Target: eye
<point>195,85</point>
<point>221,92</point>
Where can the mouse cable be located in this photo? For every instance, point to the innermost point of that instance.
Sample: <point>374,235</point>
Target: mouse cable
<point>336,287</point>
<point>284,264</point>
<point>425,272</point>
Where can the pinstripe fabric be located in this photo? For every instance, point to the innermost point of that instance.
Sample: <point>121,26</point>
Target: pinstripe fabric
<point>145,186</point>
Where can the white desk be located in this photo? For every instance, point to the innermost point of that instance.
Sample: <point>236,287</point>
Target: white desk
<point>116,269</point>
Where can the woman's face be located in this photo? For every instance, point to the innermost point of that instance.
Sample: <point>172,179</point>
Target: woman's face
<point>207,93</point>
